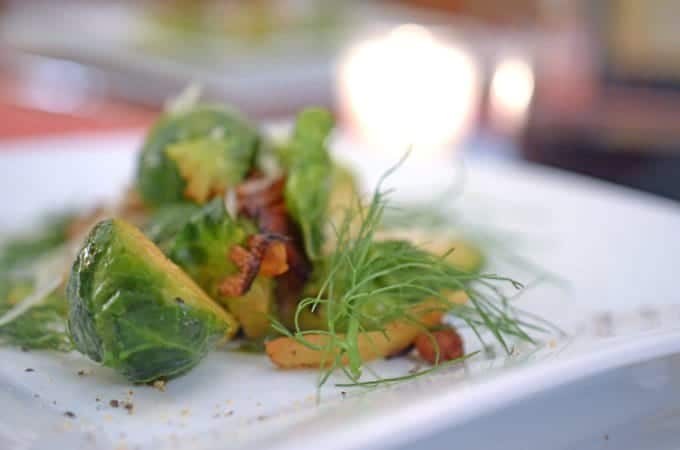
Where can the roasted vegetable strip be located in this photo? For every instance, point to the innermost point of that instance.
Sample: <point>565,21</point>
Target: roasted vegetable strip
<point>289,353</point>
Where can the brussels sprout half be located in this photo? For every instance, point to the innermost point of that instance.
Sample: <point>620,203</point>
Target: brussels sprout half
<point>183,149</point>
<point>135,311</point>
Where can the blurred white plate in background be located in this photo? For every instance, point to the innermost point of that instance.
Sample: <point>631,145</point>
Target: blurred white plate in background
<point>617,248</point>
<point>282,71</point>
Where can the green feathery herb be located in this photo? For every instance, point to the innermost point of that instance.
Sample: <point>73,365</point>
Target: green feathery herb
<point>23,251</point>
<point>42,326</point>
<point>443,217</point>
<point>369,284</point>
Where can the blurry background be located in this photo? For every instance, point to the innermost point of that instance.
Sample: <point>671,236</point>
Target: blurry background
<point>586,85</point>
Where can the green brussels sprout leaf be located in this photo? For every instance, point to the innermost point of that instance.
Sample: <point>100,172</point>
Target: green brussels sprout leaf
<point>135,311</point>
<point>310,173</point>
<point>159,179</point>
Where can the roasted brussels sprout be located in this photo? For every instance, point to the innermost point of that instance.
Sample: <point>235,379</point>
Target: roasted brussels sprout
<point>203,248</point>
<point>195,155</point>
<point>135,311</point>
<point>310,176</point>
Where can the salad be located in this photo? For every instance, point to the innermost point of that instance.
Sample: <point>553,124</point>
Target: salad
<point>229,238</point>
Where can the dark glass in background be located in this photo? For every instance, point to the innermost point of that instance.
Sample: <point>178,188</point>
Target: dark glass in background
<point>613,109</point>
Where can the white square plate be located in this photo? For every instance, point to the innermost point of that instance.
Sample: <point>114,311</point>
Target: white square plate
<point>616,248</point>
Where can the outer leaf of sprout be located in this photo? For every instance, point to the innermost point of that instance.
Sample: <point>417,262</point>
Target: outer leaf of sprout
<point>309,179</point>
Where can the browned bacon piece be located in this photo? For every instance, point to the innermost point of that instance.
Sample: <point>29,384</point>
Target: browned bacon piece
<point>262,200</point>
<point>266,256</point>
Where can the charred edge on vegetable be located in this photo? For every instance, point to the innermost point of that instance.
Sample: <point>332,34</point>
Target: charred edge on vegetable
<point>266,250</point>
<point>262,200</point>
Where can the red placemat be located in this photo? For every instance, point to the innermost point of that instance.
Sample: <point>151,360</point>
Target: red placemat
<point>20,117</point>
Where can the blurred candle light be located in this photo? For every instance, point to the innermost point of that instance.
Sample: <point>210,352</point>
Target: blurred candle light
<point>409,89</point>
<point>511,90</point>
